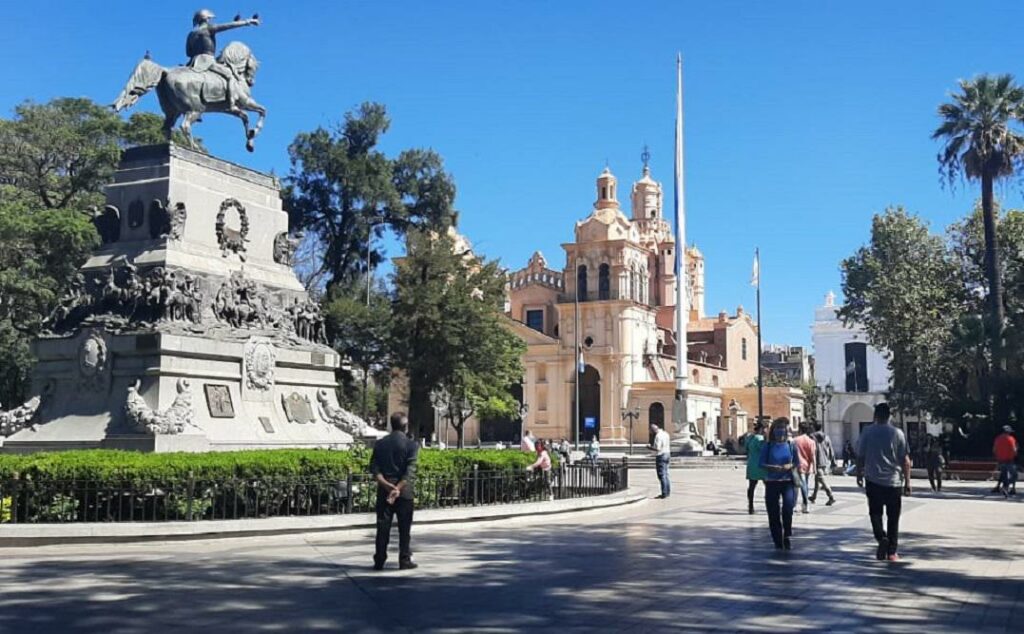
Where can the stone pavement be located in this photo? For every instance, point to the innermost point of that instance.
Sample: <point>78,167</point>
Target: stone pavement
<point>695,562</point>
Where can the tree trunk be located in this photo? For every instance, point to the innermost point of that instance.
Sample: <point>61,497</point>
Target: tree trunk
<point>993,271</point>
<point>460,441</point>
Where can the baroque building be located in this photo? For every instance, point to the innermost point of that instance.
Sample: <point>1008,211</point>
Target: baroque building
<point>618,285</point>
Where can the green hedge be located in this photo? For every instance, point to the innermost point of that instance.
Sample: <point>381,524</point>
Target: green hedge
<point>112,466</point>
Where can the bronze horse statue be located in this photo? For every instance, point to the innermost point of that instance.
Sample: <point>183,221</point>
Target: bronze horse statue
<point>187,92</point>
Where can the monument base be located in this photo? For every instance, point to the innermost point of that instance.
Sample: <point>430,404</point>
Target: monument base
<point>187,330</point>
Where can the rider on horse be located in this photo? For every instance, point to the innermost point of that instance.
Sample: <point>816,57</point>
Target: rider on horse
<point>201,45</point>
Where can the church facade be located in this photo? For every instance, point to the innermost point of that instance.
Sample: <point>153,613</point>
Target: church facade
<point>616,293</point>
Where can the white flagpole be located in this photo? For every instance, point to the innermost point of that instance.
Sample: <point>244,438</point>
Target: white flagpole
<point>680,419</point>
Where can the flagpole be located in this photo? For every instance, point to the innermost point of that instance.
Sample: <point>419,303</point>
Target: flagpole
<point>760,380</point>
<point>680,417</point>
<point>576,354</point>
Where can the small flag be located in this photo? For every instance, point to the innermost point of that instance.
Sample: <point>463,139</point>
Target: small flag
<point>755,274</point>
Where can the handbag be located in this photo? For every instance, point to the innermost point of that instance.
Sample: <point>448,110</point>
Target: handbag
<point>798,480</point>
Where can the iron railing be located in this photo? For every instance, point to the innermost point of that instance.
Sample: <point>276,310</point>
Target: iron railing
<point>197,499</point>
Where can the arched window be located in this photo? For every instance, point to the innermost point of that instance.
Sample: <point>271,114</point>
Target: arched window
<point>714,380</point>
<point>581,283</point>
<point>656,415</point>
<point>604,285</point>
<point>743,348</point>
<point>856,354</point>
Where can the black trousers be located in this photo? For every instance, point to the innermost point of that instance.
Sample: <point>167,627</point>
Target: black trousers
<point>890,500</point>
<point>385,514</point>
<point>751,487</point>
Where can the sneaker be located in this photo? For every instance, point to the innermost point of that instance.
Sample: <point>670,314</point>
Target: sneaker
<point>893,557</point>
<point>804,509</point>
<point>378,565</point>
<point>812,500</point>
<point>408,565</point>
<point>750,510</point>
<point>830,502</point>
<point>883,550</point>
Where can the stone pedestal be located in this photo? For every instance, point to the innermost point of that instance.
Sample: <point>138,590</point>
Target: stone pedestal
<point>187,329</point>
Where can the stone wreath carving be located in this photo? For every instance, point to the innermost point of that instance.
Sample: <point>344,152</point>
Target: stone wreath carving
<point>20,417</point>
<point>232,240</point>
<point>344,419</point>
<point>170,421</point>
<point>285,246</point>
<point>165,221</point>
<point>260,361</point>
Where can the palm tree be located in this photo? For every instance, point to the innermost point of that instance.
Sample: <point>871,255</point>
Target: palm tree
<point>980,144</point>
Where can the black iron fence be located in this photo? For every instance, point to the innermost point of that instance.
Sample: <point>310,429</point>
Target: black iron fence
<point>197,499</point>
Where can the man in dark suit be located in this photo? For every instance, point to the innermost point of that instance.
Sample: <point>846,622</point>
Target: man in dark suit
<point>394,467</point>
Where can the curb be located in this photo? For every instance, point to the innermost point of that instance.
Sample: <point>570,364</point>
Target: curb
<point>25,535</point>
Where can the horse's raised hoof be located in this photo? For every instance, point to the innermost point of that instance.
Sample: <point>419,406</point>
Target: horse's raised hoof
<point>250,145</point>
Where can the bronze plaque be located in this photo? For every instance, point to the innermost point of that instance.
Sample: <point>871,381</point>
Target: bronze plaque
<point>297,408</point>
<point>218,400</point>
<point>318,358</point>
<point>267,427</point>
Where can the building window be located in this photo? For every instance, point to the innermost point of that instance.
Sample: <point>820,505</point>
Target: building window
<point>696,377</point>
<point>656,414</point>
<point>856,367</point>
<point>581,283</point>
<point>743,349</point>
<point>535,320</point>
<point>604,285</point>
<point>714,380</point>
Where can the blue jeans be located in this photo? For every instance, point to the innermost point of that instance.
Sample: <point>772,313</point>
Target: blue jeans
<point>1008,474</point>
<point>661,463</point>
<point>803,486</point>
<point>780,520</point>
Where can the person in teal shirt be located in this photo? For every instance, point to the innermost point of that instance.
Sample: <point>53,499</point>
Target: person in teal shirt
<point>755,473</point>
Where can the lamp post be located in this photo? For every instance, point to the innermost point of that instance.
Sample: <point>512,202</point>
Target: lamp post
<point>524,409</point>
<point>632,414</point>
<point>825,397</point>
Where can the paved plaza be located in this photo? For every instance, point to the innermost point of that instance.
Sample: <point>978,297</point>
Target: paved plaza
<point>695,562</point>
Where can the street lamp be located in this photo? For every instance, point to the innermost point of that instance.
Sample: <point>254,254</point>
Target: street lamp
<point>825,397</point>
<point>632,414</point>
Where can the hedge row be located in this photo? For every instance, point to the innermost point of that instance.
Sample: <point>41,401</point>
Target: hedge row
<point>125,466</point>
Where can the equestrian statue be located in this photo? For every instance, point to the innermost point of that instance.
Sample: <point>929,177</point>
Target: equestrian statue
<point>207,83</point>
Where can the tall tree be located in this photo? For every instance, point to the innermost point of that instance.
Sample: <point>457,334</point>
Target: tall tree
<point>343,191</point>
<point>449,333</point>
<point>902,288</point>
<point>981,144</point>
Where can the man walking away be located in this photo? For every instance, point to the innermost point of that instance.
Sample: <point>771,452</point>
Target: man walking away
<point>805,448</point>
<point>883,460</point>
<point>1005,450</point>
<point>662,447</point>
<point>394,467</point>
<point>825,461</point>
<point>755,473</point>
<point>935,462</point>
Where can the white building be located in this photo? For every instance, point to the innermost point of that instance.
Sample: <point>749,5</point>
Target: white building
<point>858,372</point>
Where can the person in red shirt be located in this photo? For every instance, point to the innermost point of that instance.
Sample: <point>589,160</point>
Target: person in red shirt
<point>1005,450</point>
<point>806,448</point>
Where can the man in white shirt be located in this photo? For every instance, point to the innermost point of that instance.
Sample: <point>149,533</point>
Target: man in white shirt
<point>527,444</point>
<point>662,447</point>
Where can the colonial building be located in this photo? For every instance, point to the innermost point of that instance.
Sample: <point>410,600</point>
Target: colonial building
<point>855,372</point>
<point>616,295</point>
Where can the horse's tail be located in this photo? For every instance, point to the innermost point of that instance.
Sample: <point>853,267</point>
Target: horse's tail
<point>145,77</point>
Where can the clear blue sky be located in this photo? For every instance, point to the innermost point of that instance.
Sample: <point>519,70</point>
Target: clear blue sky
<point>803,118</point>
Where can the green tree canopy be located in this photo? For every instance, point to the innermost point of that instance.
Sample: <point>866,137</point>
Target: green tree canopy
<point>342,188</point>
<point>449,332</point>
